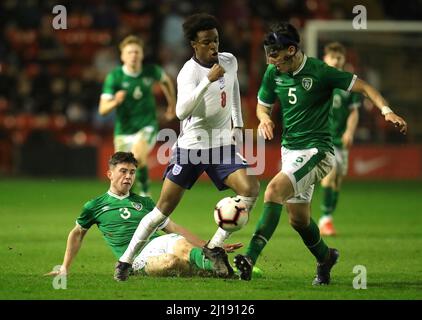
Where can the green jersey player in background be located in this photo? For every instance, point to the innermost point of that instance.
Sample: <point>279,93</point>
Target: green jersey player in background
<point>117,214</point>
<point>128,90</point>
<point>304,86</point>
<point>344,120</point>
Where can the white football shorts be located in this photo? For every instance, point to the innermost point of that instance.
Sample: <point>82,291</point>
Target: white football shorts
<point>305,168</point>
<point>156,247</point>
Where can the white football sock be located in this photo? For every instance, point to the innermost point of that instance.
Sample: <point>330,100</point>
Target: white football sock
<point>249,201</point>
<point>218,239</point>
<point>146,227</point>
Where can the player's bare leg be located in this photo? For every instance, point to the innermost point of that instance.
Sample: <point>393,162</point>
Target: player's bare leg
<point>167,265</point>
<point>170,196</point>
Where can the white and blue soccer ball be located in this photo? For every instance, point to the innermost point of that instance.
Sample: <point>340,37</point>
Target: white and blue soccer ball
<point>231,214</point>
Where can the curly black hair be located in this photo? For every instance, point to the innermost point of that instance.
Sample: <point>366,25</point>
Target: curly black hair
<point>199,22</point>
<point>122,157</point>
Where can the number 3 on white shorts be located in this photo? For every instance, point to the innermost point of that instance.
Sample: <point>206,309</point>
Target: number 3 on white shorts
<point>291,94</point>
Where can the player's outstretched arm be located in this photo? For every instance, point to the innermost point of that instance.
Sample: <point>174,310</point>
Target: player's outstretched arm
<point>379,101</point>
<point>169,91</point>
<point>74,242</point>
<point>352,123</point>
<point>193,239</point>
<point>266,125</point>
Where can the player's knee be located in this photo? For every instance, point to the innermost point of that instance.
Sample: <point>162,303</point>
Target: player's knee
<point>273,193</point>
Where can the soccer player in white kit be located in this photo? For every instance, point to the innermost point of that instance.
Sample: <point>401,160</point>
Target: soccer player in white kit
<point>208,101</point>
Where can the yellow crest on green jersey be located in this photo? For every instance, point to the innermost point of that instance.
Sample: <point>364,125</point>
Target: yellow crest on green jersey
<point>307,83</point>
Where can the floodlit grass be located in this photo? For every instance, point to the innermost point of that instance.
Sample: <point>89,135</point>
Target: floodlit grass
<point>379,225</point>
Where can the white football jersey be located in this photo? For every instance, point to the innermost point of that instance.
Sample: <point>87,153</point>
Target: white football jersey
<point>206,108</point>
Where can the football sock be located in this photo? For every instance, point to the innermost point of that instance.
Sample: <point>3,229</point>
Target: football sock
<point>335,199</point>
<point>327,201</point>
<point>264,229</point>
<point>197,258</point>
<point>249,201</point>
<point>146,227</point>
<point>142,175</point>
<point>218,239</point>
<point>312,239</point>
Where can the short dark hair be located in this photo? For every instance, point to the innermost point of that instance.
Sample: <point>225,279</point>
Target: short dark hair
<point>335,47</point>
<point>282,34</point>
<point>122,157</point>
<point>199,22</point>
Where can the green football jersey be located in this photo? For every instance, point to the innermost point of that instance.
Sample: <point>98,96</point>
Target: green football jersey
<point>138,110</point>
<point>305,99</point>
<point>117,218</point>
<point>343,103</point>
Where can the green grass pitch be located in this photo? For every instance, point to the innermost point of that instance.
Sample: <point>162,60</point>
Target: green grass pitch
<point>379,225</point>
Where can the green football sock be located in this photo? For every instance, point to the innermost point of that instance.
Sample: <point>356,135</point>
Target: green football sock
<point>142,176</point>
<point>264,229</point>
<point>327,201</point>
<point>197,258</point>
<point>335,199</point>
<point>312,239</point>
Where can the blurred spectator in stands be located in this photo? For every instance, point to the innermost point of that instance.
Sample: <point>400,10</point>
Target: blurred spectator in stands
<point>105,15</point>
<point>49,48</point>
<point>27,13</point>
<point>105,60</point>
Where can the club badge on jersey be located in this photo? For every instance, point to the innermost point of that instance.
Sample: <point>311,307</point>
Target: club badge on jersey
<point>137,206</point>
<point>222,83</point>
<point>307,83</point>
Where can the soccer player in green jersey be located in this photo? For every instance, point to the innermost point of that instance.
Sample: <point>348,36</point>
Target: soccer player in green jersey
<point>304,86</point>
<point>128,90</point>
<point>118,212</point>
<point>344,120</point>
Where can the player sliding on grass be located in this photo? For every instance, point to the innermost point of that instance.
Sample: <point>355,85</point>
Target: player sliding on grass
<point>208,100</point>
<point>117,214</point>
<point>344,120</point>
<point>128,90</point>
<point>304,87</point>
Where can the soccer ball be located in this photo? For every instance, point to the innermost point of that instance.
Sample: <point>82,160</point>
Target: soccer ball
<point>231,214</point>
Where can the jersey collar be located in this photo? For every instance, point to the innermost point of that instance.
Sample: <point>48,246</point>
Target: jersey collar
<point>202,64</point>
<point>111,194</point>
<point>301,65</point>
<point>130,74</point>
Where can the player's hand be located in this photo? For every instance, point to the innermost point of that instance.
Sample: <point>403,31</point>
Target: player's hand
<point>216,72</point>
<point>398,121</point>
<point>120,96</point>
<point>231,247</point>
<point>266,128</point>
<point>62,272</point>
<point>237,136</point>
<point>170,113</point>
<point>347,140</point>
